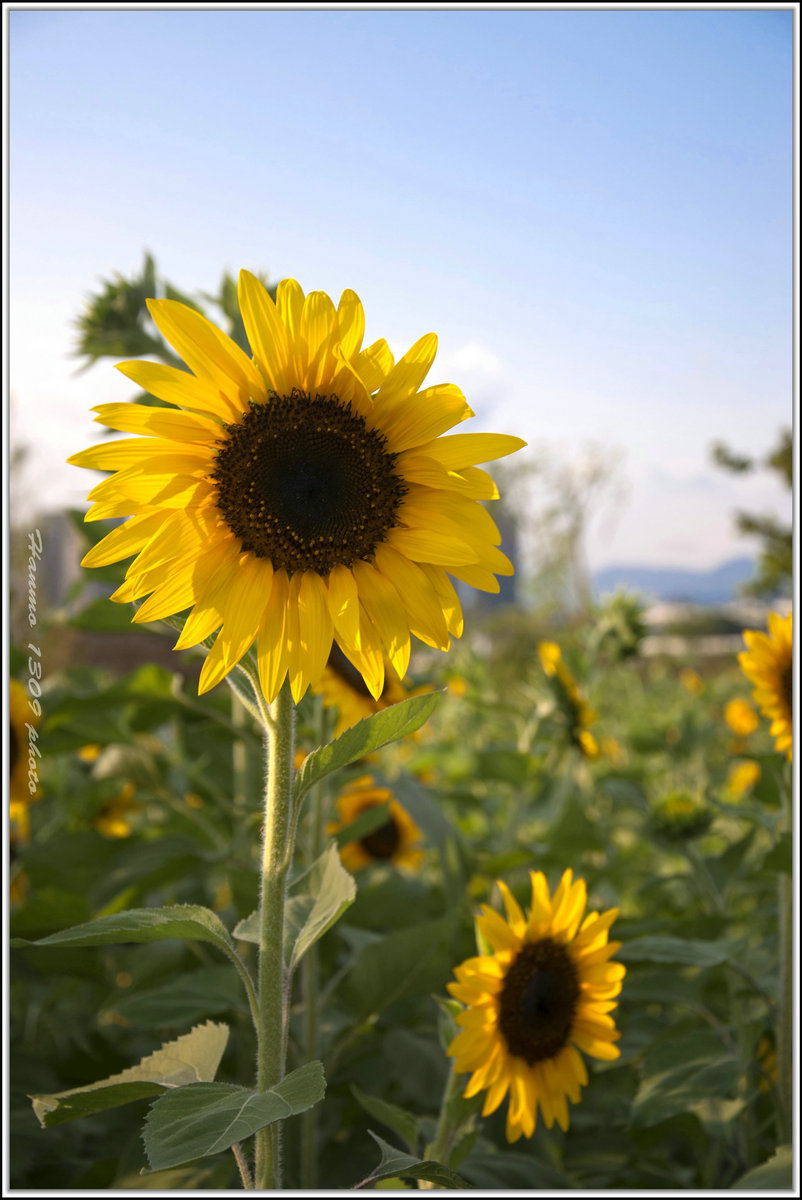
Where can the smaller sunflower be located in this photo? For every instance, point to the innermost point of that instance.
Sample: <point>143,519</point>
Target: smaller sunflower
<point>576,712</point>
<point>397,841</point>
<point>343,687</point>
<point>543,993</point>
<point>768,663</point>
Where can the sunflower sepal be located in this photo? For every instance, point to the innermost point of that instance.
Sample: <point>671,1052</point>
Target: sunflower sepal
<point>369,734</point>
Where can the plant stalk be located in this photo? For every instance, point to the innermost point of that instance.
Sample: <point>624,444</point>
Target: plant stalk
<point>276,858</point>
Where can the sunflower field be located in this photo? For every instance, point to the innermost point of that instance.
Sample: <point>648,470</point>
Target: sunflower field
<point>313,904</point>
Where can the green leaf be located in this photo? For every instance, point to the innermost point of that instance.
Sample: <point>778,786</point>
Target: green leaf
<point>368,735</point>
<point>179,1000</point>
<point>687,1088</point>
<point>396,1162</point>
<point>332,890</point>
<point>512,1169</point>
<point>326,890</point>
<point>188,921</point>
<point>407,962</point>
<point>189,1059</point>
<point>206,1118</point>
<point>677,950</point>
<point>776,1174</point>
<point>395,1118</point>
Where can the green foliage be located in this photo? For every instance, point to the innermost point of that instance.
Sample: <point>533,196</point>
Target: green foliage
<point>205,1118</point>
<point>126,941</point>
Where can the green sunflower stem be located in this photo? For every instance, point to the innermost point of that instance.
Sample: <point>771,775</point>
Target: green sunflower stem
<point>786,990</point>
<point>440,1149</point>
<point>310,968</point>
<point>277,856</point>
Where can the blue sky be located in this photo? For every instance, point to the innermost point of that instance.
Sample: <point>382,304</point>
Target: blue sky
<point>593,209</point>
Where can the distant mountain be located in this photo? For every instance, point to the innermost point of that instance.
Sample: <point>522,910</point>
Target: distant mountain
<point>677,584</point>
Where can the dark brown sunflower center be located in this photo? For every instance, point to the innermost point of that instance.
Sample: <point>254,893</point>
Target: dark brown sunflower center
<point>538,1001</point>
<point>306,483</point>
<point>347,673</point>
<point>384,841</point>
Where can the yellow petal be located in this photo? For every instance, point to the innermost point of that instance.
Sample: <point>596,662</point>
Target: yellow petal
<point>374,364</point>
<point>125,540</point>
<point>158,422</point>
<point>272,652</point>
<point>350,323</point>
<point>241,618</point>
<point>384,608</point>
<point>413,420</point>
<point>175,386</point>
<point>467,449</point>
<point>266,333</point>
<point>208,351</point>
<point>343,601</point>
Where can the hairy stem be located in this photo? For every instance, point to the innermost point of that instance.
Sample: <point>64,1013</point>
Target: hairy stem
<point>277,855</point>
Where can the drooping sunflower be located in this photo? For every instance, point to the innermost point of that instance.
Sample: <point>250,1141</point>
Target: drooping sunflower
<point>544,993</point>
<point>768,663</point>
<point>576,713</point>
<point>343,688</point>
<point>397,841</point>
<point>299,497</point>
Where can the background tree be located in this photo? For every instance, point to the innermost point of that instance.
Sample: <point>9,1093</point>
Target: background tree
<point>775,558</point>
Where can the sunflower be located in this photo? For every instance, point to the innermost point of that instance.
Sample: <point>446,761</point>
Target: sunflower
<point>397,841</point>
<point>577,714</point>
<point>768,663</point>
<point>542,995</point>
<point>342,687</point>
<point>297,498</point>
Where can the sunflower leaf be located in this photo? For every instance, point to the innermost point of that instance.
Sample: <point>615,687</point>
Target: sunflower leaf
<point>191,1058</point>
<point>318,899</point>
<point>397,1163</point>
<point>403,1123</point>
<point>333,891</point>
<point>368,735</point>
<point>187,921</point>
<point>776,1174</point>
<point>205,1118</point>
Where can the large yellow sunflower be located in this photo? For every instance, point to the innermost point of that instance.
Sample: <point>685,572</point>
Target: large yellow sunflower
<point>576,712</point>
<point>397,841</point>
<point>343,688</point>
<point>297,498</point>
<point>544,993</point>
<point>768,662</point>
